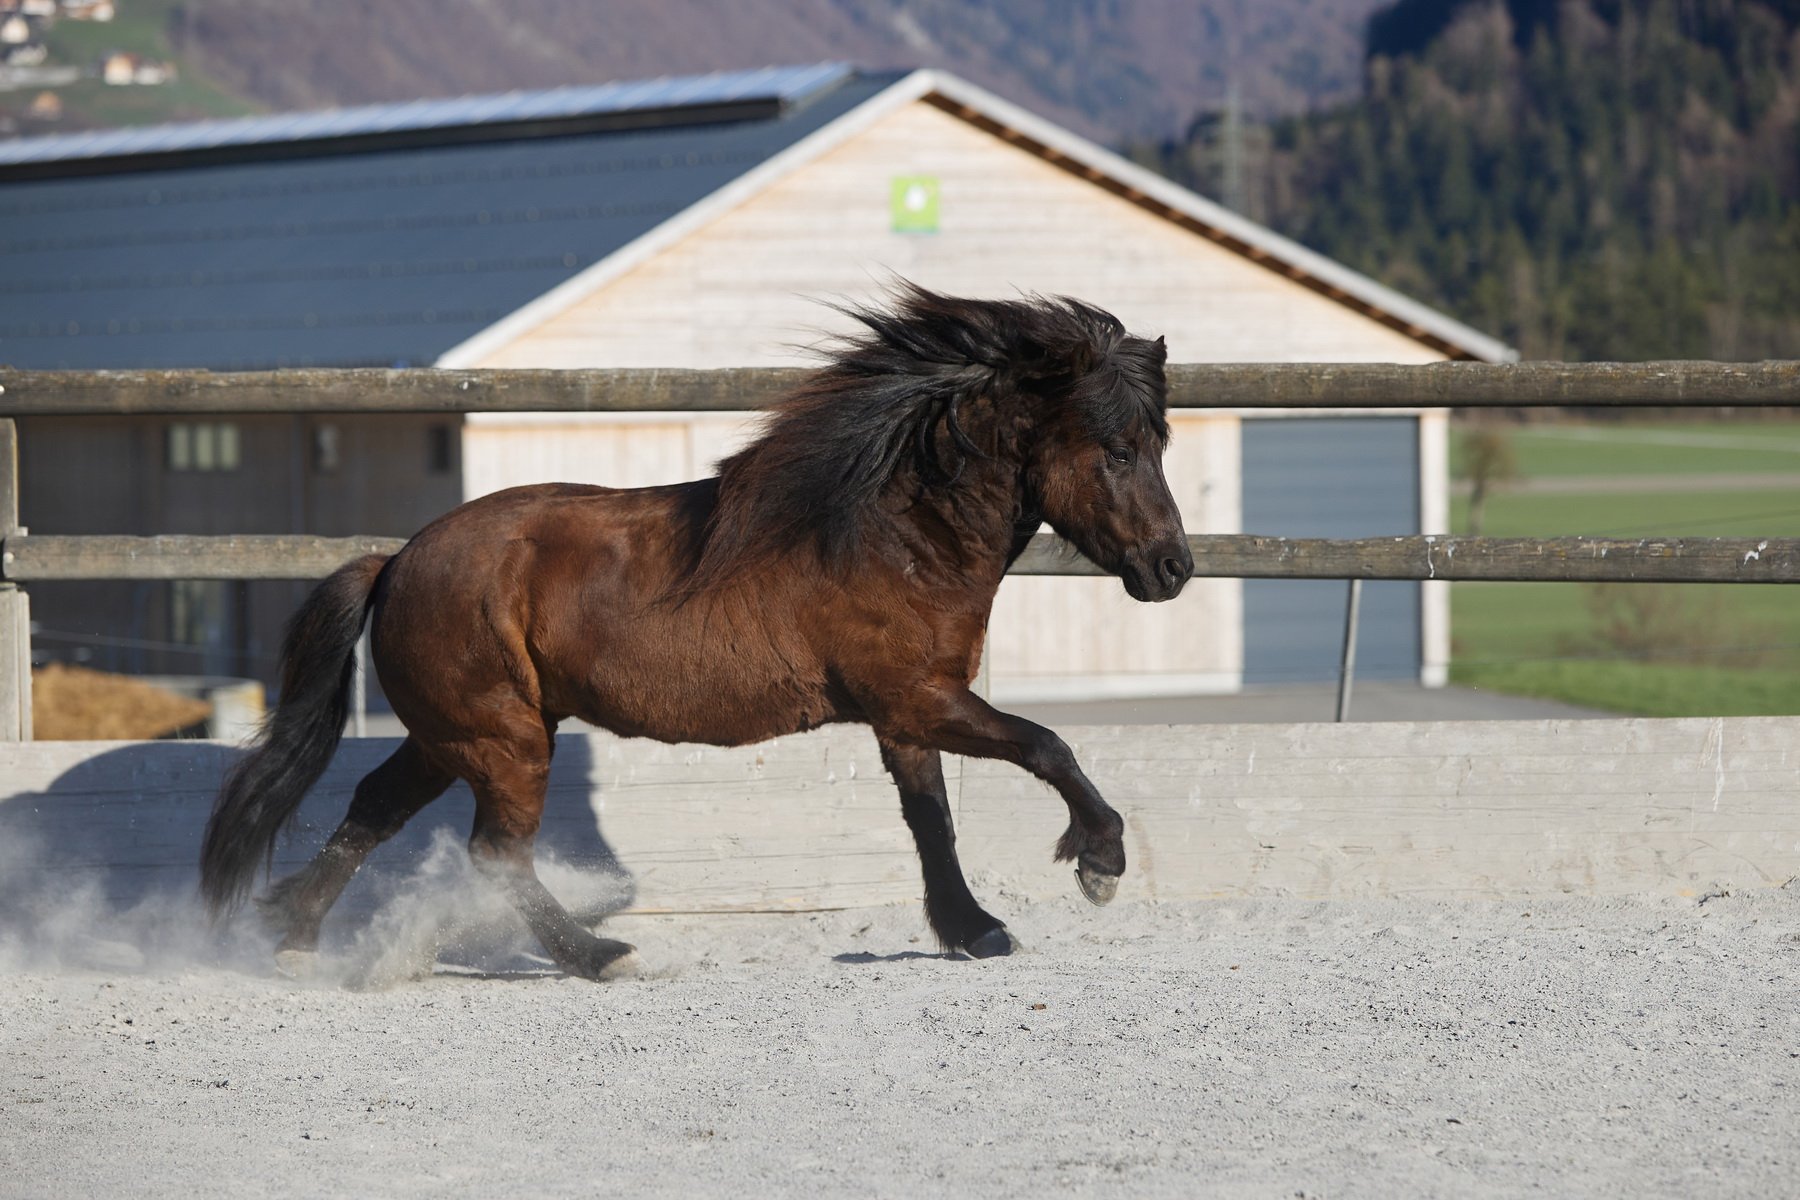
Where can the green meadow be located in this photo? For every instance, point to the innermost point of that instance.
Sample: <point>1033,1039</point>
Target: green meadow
<point>1645,649</point>
<point>1569,449</point>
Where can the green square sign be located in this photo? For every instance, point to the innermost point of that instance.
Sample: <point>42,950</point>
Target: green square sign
<point>913,203</point>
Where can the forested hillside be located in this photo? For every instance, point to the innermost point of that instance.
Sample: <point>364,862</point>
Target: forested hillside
<point>1591,179</point>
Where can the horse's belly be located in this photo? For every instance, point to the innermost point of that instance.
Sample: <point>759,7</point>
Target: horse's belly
<point>689,694</point>
<point>721,718</point>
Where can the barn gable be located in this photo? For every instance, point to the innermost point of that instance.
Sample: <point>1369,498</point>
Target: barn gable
<point>744,288</point>
<point>734,279</point>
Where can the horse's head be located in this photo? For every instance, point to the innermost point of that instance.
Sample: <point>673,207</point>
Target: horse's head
<point>1049,393</point>
<point>1095,472</point>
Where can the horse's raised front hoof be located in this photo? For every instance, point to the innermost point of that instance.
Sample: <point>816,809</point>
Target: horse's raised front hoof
<point>995,943</point>
<point>1097,886</point>
<point>297,964</point>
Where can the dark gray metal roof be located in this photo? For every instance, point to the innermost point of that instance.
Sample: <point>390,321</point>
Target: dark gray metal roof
<point>789,84</point>
<point>367,257</point>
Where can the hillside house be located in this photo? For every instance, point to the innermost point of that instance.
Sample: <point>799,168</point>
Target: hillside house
<point>124,70</point>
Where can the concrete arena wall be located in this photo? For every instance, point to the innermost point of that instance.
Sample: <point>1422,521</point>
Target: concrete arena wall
<point>1467,809</point>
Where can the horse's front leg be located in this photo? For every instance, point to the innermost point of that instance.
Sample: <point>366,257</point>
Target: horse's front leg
<point>958,920</point>
<point>950,717</point>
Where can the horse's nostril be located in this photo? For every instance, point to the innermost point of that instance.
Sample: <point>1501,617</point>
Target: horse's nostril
<point>1173,571</point>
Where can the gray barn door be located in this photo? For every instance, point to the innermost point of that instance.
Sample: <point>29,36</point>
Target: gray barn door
<point>1337,477</point>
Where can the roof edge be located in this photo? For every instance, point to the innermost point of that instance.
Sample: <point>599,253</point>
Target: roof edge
<point>338,145</point>
<point>504,116</point>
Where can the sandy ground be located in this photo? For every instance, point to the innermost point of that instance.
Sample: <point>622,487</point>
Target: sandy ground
<point>1236,1048</point>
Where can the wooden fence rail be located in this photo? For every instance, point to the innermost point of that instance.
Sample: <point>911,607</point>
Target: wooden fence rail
<point>1191,385</point>
<point>34,559</point>
<point>26,558</point>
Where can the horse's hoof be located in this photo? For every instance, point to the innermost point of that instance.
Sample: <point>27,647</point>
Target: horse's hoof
<point>995,943</point>
<point>622,967</point>
<point>604,959</point>
<point>297,964</point>
<point>1098,887</point>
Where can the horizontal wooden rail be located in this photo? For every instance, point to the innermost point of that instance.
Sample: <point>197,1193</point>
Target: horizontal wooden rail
<point>1567,560</point>
<point>34,558</point>
<point>1191,385</point>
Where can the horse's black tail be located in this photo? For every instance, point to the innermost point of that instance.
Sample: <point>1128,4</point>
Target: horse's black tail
<point>263,790</point>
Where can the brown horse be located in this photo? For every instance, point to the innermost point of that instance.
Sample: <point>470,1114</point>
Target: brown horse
<point>841,568</point>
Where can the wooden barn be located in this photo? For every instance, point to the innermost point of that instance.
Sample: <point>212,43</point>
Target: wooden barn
<point>688,223</point>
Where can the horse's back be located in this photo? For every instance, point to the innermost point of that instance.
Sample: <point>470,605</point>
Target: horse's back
<point>563,527</point>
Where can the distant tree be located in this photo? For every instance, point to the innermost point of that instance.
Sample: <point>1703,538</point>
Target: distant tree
<point>1488,458</point>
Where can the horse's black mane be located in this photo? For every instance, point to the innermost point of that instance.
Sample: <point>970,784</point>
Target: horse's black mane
<point>893,395</point>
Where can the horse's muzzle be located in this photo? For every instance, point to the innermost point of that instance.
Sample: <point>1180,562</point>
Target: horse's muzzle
<point>1159,572</point>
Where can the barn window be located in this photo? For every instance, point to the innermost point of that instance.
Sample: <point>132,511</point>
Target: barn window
<point>206,448</point>
<point>203,446</point>
<point>196,611</point>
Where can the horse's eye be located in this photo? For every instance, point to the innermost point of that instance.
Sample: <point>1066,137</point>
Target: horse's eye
<point>1119,454</point>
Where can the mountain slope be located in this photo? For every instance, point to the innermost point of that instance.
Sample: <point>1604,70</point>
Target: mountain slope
<point>1108,68</point>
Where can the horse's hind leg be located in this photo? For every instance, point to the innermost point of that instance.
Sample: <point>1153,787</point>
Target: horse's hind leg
<point>509,804</point>
<point>385,800</point>
<point>958,920</point>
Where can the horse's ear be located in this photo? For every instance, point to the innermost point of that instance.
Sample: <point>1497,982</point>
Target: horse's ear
<point>1061,363</point>
<point>1162,349</point>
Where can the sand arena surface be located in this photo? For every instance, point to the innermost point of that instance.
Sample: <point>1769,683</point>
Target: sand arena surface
<point>1274,1048</point>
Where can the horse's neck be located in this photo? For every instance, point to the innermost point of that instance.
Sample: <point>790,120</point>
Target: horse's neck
<point>969,530</point>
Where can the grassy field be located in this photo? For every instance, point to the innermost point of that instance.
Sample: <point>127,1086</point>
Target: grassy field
<point>1568,449</point>
<point>1648,649</point>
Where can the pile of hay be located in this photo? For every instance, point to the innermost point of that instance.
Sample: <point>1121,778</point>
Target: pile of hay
<point>76,704</point>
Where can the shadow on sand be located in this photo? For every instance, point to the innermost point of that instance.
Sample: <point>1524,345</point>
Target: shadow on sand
<point>98,869</point>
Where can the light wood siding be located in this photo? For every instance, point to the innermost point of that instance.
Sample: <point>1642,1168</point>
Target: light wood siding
<point>744,290</point>
<point>618,454</point>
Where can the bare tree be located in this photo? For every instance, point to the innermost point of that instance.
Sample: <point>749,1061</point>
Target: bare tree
<point>1489,459</point>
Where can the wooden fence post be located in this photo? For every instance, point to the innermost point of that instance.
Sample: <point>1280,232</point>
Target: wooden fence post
<point>15,608</point>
